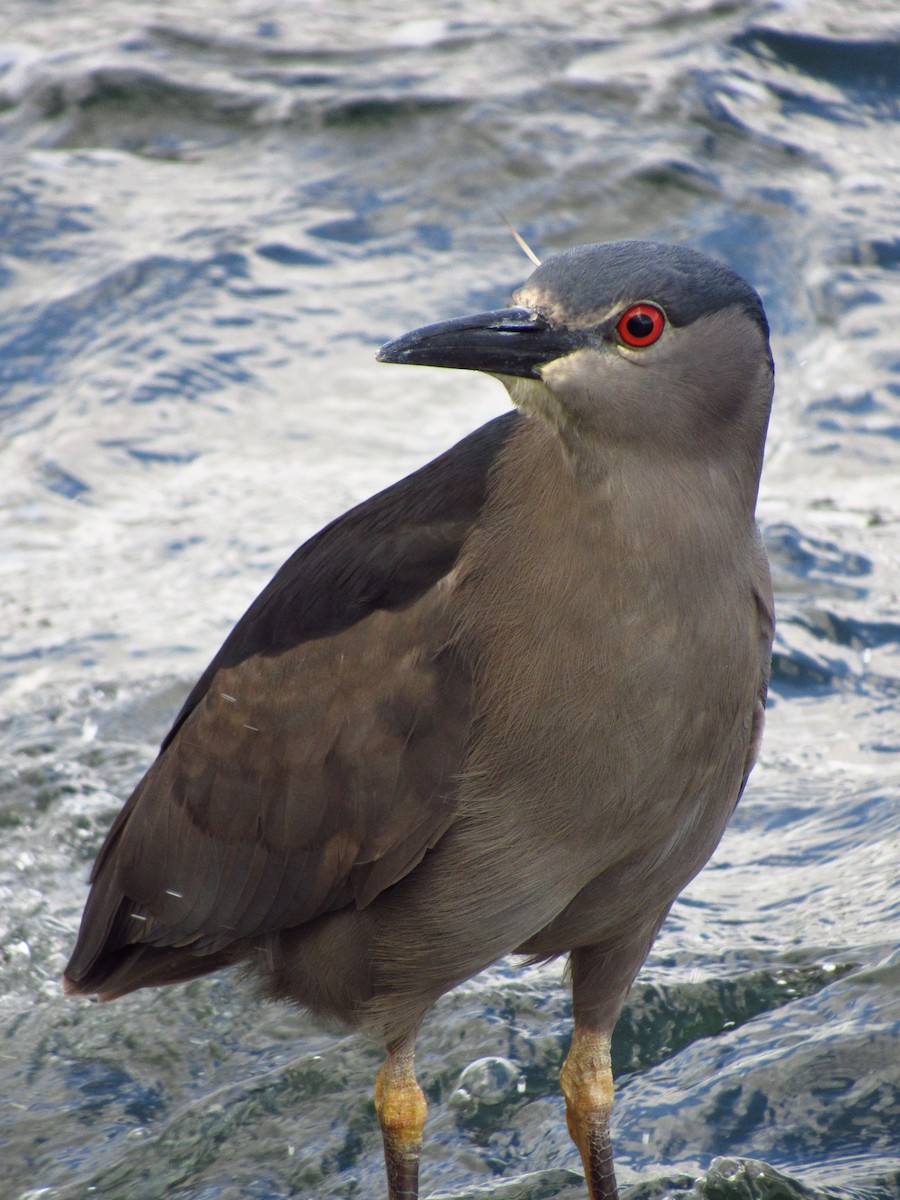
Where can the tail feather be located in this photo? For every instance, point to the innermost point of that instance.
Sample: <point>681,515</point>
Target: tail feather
<point>133,967</point>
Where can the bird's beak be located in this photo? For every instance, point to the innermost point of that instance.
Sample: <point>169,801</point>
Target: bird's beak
<point>510,341</point>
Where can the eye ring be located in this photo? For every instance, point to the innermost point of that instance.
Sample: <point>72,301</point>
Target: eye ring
<point>641,325</point>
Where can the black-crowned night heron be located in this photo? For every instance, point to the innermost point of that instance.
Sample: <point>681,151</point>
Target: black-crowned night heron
<point>506,706</point>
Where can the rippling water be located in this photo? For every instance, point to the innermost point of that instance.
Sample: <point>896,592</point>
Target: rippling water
<point>210,217</point>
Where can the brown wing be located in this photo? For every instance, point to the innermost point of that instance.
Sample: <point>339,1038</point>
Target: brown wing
<point>315,762</point>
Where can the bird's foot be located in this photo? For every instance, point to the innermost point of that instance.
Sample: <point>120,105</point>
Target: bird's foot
<point>587,1085</point>
<point>400,1104</point>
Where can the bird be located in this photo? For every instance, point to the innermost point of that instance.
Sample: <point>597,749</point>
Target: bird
<point>505,706</point>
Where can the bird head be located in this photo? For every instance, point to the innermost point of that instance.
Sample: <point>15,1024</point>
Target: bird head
<point>622,343</point>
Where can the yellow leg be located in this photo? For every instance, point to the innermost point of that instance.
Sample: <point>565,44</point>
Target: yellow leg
<point>587,1085</point>
<point>400,1104</point>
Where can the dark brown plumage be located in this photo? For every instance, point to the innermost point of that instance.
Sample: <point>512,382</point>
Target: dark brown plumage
<point>507,705</point>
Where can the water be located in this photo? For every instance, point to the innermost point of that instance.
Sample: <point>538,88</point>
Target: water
<point>209,219</point>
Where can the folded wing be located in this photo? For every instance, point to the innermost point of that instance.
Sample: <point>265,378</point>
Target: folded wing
<point>316,760</point>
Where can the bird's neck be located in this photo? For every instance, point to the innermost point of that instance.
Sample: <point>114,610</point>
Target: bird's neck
<point>647,514</point>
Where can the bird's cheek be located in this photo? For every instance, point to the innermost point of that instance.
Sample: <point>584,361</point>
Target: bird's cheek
<point>576,371</point>
<point>581,384</point>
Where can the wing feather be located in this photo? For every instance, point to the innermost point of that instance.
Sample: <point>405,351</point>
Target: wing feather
<point>316,760</point>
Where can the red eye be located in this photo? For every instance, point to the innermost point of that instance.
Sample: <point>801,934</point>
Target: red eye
<point>641,324</point>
